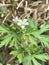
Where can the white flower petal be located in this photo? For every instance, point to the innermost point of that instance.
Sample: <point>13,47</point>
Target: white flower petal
<point>25,20</point>
<point>22,27</point>
<point>13,19</point>
<point>19,23</point>
<point>16,18</point>
<point>27,23</point>
<point>42,25</point>
<point>19,20</point>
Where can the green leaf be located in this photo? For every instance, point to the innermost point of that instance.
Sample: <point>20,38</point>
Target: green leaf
<point>12,43</point>
<point>14,52</point>
<point>27,60</point>
<point>6,36</point>
<point>2,9</point>
<point>35,62</point>
<point>20,57</point>
<point>31,23</point>
<point>44,40</point>
<point>36,24</point>
<point>32,40</point>
<point>42,57</point>
<point>16,43</point>
<point>1,64</point>
<point>6,41</point>
<point>3,29</point>
<point>44,28</point>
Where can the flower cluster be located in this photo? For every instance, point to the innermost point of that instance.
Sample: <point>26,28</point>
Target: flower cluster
<point>20,22</point>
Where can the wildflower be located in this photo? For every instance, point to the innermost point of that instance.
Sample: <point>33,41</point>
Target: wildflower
<point>25,21</point>
<point>21,23</point>
<point>22,27</point>
<point>15,19</point>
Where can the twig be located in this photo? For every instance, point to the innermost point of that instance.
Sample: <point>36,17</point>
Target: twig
<point>35,14</point>
<point>6,17</point>
<point>3,1</point>
<point>12,58</point>
<point>20,4</point>
<point>26,7</point>
<point>47,1</point>
<point>46,18</point>
<point>5,5</point>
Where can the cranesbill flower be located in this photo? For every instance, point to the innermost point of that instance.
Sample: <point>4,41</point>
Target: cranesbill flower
<point>20,22</point>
